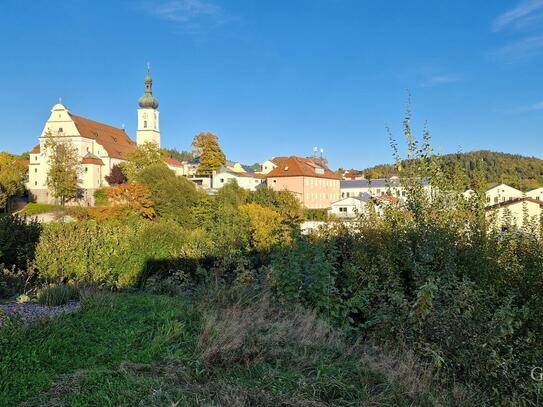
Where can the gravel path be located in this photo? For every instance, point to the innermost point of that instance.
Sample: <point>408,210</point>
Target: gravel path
<point>31,312</point>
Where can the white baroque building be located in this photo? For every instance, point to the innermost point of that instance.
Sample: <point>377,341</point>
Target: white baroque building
<point>100,146</point>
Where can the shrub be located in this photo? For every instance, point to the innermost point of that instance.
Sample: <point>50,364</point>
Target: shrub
<point>18,239</point>
<point>266,227</point>
<point>100,197</point>
<point>55,295</point>
<point>173,196</point>
<point>114,254</point>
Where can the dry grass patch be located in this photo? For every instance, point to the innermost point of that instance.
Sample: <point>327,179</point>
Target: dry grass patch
<point>242,334</point>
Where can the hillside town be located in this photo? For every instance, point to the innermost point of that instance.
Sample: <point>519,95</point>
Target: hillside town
<point>342,194</point>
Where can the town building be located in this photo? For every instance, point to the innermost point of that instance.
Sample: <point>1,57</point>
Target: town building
<point>349,208</point>
<point>514,212</point>
<point>536,194</point>
<point>378,187</point>
<point>269,165</point>
<point>313,184</point>
<point>100,146</point>
<point>352,175</point>
<point>247,180</point>
<point>501,193</point>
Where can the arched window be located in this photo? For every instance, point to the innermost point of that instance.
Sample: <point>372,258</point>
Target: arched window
<point>145,124</point>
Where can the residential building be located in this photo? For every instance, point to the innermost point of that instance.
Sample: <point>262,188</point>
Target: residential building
<point>536,194</point>
<point>352,175</point>
<point>377,187</point>
<point>247,180</point>
<point>175,165</point>
<point>513,212</point>
<point>501,193</point>
<point>315,186</point>
<point>269,165</point>
<point>99,146</point>
<point>349,208</point>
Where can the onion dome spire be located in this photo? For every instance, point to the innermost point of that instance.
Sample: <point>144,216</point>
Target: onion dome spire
<point>148,101</point>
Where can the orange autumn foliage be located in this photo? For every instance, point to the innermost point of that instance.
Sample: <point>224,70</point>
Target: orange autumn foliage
<point>135,196</point>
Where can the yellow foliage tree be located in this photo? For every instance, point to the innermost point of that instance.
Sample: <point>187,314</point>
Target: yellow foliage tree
<point>266,227</point>
<point>135,196</point>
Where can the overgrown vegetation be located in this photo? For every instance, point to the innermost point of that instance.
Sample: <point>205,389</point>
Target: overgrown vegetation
<point>224,348</point>
<point>54,295</point>
<point>427,304</point>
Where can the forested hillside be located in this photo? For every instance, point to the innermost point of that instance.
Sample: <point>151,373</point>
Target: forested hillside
<point>518,171</point>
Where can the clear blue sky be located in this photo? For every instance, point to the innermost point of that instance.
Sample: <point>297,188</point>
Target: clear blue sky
<point>275,77</point>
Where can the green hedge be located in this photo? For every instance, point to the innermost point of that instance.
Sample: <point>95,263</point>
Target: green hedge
<point>114,254</point>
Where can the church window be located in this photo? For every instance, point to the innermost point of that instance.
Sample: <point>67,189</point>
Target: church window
<point>86,169</point>
<point>35,183</point>
<point>35,170</point>
<point>145,124</point>
<point>60,129</point>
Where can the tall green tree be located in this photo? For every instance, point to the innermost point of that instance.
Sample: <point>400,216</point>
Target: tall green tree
<point>173,196</point>
<point>12,176</point>
<point>64,169</point>
<point>211,155</point>
<point>143,156</point>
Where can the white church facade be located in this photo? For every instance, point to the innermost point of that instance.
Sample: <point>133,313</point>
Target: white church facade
<point>99,145</point>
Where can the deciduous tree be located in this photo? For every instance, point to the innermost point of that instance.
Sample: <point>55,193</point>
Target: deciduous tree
<point>64,169</point>
<point>142,157</point>
<point>12,175</point>
<point>116,176</point>
<point>211,156</point>
<point>135,196</point>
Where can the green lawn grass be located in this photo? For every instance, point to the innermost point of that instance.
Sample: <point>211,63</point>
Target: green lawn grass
<point>142,349</point>
<point>33,209</point>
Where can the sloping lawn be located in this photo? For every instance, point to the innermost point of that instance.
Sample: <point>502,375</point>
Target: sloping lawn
<point>89,347</point>
<point>143,349</point>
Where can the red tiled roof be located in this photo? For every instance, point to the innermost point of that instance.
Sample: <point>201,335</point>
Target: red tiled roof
<point>277,160</point>
<point>513,201</point>
<point>352,174</point>
<point>114,140</point>
<point>172,162</point>
<point>92,160</point>
<point>248,174</point>
<point>36,149</point>
<point>301,167</point>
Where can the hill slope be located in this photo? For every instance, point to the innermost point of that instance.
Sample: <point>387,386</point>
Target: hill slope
<point>516,170</point>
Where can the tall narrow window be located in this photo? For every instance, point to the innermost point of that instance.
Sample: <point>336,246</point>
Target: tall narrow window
<point>145,124</point>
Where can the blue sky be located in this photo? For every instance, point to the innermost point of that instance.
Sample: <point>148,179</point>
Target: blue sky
<point>274,77</point>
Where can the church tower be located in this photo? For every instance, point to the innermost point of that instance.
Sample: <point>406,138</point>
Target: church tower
<point>148,123</point>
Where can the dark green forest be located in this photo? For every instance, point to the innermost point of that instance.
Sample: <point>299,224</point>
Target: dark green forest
<point>516,170</point>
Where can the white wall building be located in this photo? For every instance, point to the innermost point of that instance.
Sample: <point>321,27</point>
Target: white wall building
<point>377,187</point>
<point>512,213</point>
<point>348,208</point>
<point>99,146</point>
<point>246,180</point>
<point>501,193</point>
<point>536,194</point>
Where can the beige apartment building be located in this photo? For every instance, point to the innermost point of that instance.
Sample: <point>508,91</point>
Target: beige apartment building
<point>314,184</point>
<point>513,212</point>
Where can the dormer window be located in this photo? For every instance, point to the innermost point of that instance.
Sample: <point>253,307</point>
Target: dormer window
<point>286,168</point>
